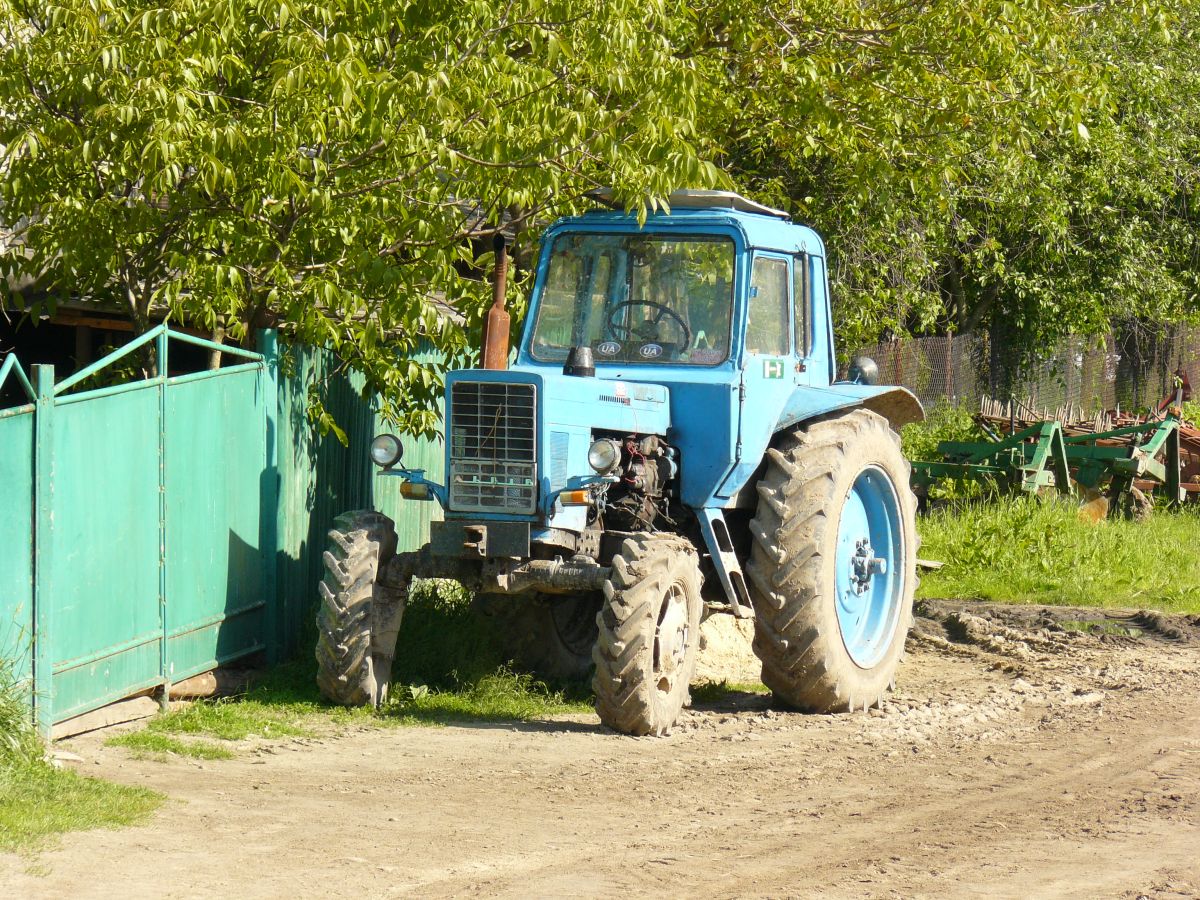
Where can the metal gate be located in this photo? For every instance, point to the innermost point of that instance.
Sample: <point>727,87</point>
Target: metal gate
<point>137,526</point>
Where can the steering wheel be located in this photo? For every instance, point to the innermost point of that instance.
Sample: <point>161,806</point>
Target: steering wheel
<point>626,332</point>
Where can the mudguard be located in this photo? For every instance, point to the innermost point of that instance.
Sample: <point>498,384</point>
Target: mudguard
<point>898,405</point>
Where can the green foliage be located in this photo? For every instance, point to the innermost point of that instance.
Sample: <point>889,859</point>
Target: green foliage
<point>284,704</point>
<point>444,643</point>
<point>943,422</point>
<point>1191,412</point>
<point>1027,551</point>
<point>18,742</point>
<point>724,690</point>
<point>454,668</point>
<point>1024,167</point>
<point>339,167</point>
<point>333,165</point>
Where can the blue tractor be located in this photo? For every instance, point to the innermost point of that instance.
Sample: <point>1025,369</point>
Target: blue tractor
<point>670,442</point>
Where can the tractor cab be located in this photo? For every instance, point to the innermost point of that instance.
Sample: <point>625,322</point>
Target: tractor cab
<point>701,286</point>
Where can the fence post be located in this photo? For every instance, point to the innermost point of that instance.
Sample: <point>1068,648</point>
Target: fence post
<point>43,562</point>
<point>269,511</point>
<point>162,367</point>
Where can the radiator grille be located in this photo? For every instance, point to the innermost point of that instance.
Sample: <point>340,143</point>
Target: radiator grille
<point>493,441</point>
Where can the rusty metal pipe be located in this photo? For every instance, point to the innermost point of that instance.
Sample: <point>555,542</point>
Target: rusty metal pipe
<point>496,322</point>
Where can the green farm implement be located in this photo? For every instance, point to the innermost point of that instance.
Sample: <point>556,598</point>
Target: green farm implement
<point>1045,457</point>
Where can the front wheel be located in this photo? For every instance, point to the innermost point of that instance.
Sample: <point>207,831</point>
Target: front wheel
<point>833,563</point>
<point>649,631</point>
<point>359,617</point>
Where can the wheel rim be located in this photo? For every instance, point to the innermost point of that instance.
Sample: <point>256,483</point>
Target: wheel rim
<point>869,565</point>
<point>671,639</point>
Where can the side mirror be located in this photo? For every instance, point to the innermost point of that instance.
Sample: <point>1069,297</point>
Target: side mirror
<point>863,370</point>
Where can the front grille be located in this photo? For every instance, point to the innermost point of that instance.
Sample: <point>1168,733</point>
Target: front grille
<point>493,447</point>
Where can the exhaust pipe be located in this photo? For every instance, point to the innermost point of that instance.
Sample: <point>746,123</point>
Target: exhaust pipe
<point>496,322</point>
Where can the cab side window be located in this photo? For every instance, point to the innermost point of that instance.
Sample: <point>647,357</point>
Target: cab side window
<point>767,331</point>
<point>801,278</point>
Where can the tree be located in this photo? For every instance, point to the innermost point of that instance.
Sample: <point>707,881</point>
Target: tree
<point>324,164</point>
<point>1027,167</point>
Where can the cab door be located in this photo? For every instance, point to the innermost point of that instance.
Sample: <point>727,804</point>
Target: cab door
<point>769,363</point>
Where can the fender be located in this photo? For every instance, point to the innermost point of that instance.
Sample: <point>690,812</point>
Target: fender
<point>898,405</point>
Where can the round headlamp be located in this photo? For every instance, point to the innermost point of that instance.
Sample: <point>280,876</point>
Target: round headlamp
<point>604,456</point>
<point>386,450</point>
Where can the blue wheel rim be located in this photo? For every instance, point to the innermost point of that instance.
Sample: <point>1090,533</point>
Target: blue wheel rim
<point>868,600</point>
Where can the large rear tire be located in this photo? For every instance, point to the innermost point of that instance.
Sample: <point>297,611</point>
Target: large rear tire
<point>547,634</point>
<point>833,563</point>
<point>358,617</point>
<point>649,633</point>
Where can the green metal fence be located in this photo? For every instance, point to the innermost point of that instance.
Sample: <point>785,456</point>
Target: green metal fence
<point>16,525</point>
<point>320,478</point>
<point>149,553</point>
<point>153,530</point>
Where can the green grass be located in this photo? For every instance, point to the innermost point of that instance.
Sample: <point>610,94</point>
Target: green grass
<point>500,696</point>
<point>448,668</point>
<point>717,691</point>
<point>37,800</point>
<point>1027,551</point>
<point>284,704</point>
<point>154,744</point>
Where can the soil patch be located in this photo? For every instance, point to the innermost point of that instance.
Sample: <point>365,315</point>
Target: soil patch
<point>1025,752</point>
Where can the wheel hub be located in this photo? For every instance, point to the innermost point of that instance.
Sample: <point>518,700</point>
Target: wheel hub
<point>671,638</point>
<point>863,564</point>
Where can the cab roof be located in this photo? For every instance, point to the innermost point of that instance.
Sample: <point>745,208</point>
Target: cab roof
<point>691,198</point>
<point>763,227</point>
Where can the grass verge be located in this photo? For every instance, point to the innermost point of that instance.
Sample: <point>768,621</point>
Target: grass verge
<point>448,668</point>
<point>38,800</point>
<point>1024,551</point>
<point>154,745</point>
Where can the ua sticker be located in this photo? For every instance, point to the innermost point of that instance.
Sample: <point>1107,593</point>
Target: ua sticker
<point>772,368</point>
<point>651,351</point>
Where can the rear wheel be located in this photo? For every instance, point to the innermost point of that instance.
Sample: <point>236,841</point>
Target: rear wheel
<point>358,618</point>
<point>547,634</point>
<point>833,563</point>
<point>649,632</point>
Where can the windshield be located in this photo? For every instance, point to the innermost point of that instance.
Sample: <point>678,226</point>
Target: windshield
<point>637,298</point>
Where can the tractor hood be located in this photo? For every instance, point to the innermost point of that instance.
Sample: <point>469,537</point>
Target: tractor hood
<point>540,423</point>
<point>591,403</point>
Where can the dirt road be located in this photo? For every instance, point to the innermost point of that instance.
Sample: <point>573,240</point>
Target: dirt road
<point>1020,757</point>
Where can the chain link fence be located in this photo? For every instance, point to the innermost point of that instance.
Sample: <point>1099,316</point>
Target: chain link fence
<point>1130,369</point>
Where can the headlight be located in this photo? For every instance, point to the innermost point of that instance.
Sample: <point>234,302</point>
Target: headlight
<point>386,450</point>
<point>604,456</point>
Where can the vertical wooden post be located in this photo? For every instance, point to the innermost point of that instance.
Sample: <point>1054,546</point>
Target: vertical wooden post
<point>269,506</point>
<point>43,562</point>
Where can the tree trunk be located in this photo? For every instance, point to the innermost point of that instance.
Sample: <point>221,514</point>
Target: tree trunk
<point>218,337</point>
